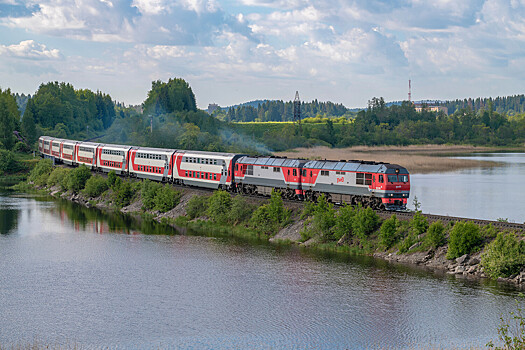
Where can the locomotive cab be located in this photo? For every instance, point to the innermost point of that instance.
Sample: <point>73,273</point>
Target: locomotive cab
<point>394,183</point>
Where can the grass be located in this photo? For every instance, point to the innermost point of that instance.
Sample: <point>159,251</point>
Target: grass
<point>417,158</point>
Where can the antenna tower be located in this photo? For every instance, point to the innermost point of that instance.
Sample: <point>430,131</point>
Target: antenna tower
<point>409,90</point>
<point>297,109</point>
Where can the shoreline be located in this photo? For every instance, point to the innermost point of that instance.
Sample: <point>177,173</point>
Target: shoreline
<point>434,260</point>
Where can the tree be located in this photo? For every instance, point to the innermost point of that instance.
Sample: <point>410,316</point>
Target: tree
<point>175,95</point>
<point>28,123</point>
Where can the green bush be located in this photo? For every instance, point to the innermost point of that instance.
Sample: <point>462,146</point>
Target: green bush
<point>112,179</point>
<point>388,232</point>
<point>41,172</point>
<point>308,210</point>
<point>489,231</point>
<point>58,177</point>
<point>95,186</point>
<point>344,222</point>
<point>8,162</point>
<point>197,206</point>
<point>261,222</point>
<point>148,192</point>
<point>166,198</point>
<point>365,222</point>
<point>270,217</point>
<point>464,239</point>
<point>435,236</point>
<point>123,194</point>
<point>219,206</point>
<point>77,178</point>
<point>278,213</point>
<point>418,224</point>
<point>240,211</point>
<point>504,256</point>
<point>407,242</point>
<point>324,222</point>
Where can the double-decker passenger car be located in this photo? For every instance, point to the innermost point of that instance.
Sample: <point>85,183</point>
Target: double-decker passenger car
<point>151,163</point>
<point>44,145</point>
<point>56,148</point>
<point>86,153</point>
<point>68,151</point>
<point>113,157</point>
<point>205,169</point>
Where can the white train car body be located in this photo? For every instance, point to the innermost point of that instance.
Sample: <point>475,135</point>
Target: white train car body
<point>151,163</point>
<point>113,157</point>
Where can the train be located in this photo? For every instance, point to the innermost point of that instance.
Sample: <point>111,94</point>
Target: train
<point>378,185</point>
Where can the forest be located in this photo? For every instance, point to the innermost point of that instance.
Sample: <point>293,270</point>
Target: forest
<point>169,118</point>
<point>279,111</point>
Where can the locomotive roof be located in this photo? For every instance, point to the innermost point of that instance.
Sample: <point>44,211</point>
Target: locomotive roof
<point>358,166</point>
<point>271,161</point>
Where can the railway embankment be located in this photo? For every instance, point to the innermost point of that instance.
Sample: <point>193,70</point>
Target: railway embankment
<point>461,247</point>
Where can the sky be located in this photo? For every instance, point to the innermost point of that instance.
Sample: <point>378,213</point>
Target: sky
<point>237,51</point>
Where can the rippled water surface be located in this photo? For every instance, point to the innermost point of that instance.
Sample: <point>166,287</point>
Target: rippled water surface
<point>69,274</point>
<point>483,193</point>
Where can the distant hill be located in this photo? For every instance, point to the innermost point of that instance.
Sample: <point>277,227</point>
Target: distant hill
<point>253,104</point>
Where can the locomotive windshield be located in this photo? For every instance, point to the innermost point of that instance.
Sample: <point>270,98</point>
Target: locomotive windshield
<point>398,178</point>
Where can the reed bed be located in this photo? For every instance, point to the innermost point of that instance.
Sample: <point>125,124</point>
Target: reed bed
<point>417,159</point>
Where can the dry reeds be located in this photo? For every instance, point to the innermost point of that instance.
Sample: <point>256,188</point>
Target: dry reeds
<point>416,158</point>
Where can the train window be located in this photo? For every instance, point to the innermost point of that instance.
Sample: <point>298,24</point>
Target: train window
<point>215,176</point>
<point>206,175</point>
<point>288,171</point>
<point>359,179</point>
<point>236,167</point>
<point>294,172</point>
<point>310,173</point>
<point>381,179</point>
<point>249,170</point>
<point>392,178</point>
<point>339,172</point>
<point>324,173</point>
<point>368,179</point>
<point>276,169</point>
<point>403,178</point>
<point>303,172</point>
<point>264,167</point>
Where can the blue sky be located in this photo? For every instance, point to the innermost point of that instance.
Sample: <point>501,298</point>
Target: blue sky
<point>235,51</point>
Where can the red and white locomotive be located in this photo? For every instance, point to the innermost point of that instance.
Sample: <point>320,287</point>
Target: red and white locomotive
<point>378,185</point>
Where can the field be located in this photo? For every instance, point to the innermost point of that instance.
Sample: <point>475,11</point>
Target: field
<point>416,158</point>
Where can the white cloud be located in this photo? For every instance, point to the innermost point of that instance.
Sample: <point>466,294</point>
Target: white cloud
<point>29,49</point>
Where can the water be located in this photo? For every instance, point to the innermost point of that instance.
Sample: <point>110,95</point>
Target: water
<point>483,193</point>
<point>74,275</point>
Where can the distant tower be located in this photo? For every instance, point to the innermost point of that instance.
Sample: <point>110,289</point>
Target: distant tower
<point>409,90</point>
<point>297,109</point>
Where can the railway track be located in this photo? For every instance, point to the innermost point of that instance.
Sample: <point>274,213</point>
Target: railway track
<point>447,219</point>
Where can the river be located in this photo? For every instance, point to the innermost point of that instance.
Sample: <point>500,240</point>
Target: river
<point>72,275</point>
<point>483,193</point>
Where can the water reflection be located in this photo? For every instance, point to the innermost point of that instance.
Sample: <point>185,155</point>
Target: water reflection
<point>94,220</point>
<point>9,220</point>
